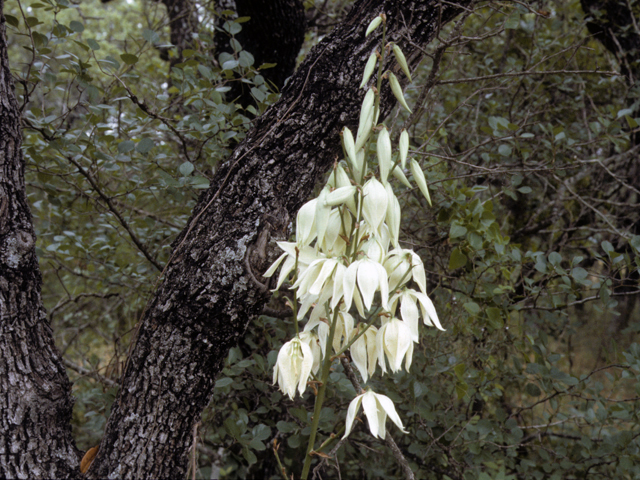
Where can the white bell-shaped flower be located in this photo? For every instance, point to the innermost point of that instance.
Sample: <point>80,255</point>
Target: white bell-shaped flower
<point>370,277</point>
<point>409,301</point>
<point>376,407</point>
<point>397,263</point>
<point>364,353</point>
<point>293,367</point>
<point>338,227</point>
<point>305,256</point>
<point>395,342</point>
<point>374,203</point>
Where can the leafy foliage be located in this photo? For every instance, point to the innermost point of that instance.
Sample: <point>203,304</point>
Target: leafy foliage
<point>528,148</point>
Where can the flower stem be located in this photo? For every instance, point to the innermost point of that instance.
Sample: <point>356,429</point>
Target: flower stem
<point>326,369</point>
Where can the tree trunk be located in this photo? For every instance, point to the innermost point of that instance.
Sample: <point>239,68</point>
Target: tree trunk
<point>183,23</point>
<point>612,23</point>
<point>274,34</point>
<point>35,393</point>
<point>212,286</point>
<point>208,294</point>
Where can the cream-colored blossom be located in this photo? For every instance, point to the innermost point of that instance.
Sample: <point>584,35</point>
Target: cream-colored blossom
<point>364,353</point>
<point>394,341</point>
<point>293,367</point>
<point>376,407</point>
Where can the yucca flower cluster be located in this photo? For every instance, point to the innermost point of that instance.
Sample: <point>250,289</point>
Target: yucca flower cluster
<point>358,288</point>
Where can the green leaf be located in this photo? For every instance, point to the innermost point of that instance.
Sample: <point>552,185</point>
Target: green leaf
<point>186,169</point>
<point>286,427</point>
<point>532,389</point>
<point>145,145</point>
<point>93,45</point>
<point>126,146</point>
<point>457,259</point>
<point>249,456</point>
<point>579,274</point>
<point>472,307</point>
<point>11,20</point>
<point>150,36</point>
<point>504,150</point>
<point>461,390</point>
<point>494,316</point>
<point>261,432</point>
<point>223,382</point>
<point>76,26</point>
<point>457,230</point>
<point>129,58</point>
<point>555,258</point>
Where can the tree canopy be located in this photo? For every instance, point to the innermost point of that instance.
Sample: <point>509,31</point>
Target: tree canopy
<point>168,145</point>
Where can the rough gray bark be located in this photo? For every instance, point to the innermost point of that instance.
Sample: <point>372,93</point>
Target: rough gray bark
<point>35,393</point>
<point>208,294</point>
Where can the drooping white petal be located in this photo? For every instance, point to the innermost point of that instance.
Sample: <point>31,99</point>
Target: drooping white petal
<point>396,341</point>
<point>404,148</point>
<point>429,314</point>
<point>397,266</point>
<point>349,283</point>
<point>340,195</point>
<point>357,300</point>
<point>380,349</point>
<point>384,154</point>
<point>288,265</point>
<point>374,207</point>
<point>366,120</point>
<point>359,356</point>
<point>307,276</point>
<point>390,409</point>
<point>410,314</point>
<point>311,338</point>
<point>368,69</point>
<point>322,214</point>
<point>272,269</point>
<point>418,176</point>
<point>370,407</point>
<point>397,91</point>
<point>368,280</point>
<point>306,223</point>
<point>363,353</point>
<point>341,179</point>
<point>328,267</point>
<point>375,23</point>
<point>393,216</point>
<point>338,285</point>
<point>399,174</point>
<point>402,61</point>
<point>351,414</point>
<point>417,272</point>
<point>305,366</point>
<point>349,145</point>
<point>306,301</point>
